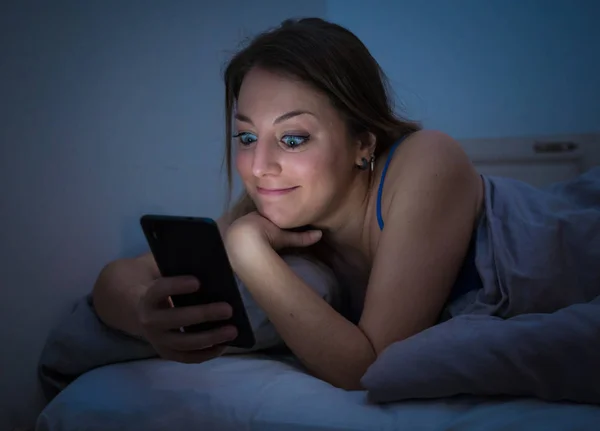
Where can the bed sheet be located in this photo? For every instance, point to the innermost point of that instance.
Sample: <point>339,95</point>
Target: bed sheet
<point>266,393</point>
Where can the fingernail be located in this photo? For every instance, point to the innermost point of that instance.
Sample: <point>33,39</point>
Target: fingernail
<point>189,280</point>
<point>230,332</point>
<point>224,312</point>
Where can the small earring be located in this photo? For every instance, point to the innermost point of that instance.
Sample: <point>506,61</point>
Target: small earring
<point>364,164</point>
<point>372,162</point>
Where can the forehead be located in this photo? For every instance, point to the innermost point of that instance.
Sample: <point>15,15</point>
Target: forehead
<point>266,92</point>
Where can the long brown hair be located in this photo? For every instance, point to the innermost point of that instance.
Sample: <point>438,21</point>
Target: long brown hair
<point>332,60</point>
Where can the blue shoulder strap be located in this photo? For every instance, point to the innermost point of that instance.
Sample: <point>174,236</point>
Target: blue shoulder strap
<point>380,190</point>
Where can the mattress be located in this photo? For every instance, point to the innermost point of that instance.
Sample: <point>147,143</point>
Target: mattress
<point>260,392</point>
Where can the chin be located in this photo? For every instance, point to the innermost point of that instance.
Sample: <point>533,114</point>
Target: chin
<point>281,220</point>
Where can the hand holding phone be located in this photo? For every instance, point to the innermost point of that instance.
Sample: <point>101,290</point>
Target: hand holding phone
<point>161,322</point>
<point>193,247</point>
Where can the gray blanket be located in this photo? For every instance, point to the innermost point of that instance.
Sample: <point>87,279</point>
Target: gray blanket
<point>534,327</point>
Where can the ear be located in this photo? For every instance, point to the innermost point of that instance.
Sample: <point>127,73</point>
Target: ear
<point>365,146</point>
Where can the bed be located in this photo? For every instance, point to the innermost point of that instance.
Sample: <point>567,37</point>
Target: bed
<point>273,393</point>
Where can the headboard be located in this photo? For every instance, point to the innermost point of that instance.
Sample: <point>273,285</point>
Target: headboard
<point>538,160</point>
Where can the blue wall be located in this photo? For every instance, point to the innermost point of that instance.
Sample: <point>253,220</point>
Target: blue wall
<point>487,68</point>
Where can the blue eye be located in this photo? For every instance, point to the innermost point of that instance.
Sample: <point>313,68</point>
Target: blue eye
<point>246,138</point>
<point>294,141</point>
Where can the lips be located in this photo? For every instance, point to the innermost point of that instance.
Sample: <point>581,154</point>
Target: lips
<point>274,192</point>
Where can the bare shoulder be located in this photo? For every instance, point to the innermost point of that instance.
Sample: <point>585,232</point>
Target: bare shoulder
<point>429,206</point>
<point>430,162</point>
<point>430,149</point>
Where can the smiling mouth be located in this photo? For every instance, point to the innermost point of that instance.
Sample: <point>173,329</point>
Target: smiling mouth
<point>274,192</point>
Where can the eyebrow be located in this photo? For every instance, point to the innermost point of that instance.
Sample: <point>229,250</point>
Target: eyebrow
<point>284,117</point>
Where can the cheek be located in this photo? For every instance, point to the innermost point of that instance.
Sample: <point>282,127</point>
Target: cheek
<point>323,168</point>
<point>305,169</point>
<point>243,163</point>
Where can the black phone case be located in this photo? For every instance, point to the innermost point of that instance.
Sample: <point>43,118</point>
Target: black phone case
<point>193,246</point>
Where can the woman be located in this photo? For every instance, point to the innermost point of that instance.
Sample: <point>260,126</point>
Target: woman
<point>317,144</point>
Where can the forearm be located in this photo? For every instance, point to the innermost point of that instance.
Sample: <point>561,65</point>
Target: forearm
<point>330,346</point>
<point>117,292</point>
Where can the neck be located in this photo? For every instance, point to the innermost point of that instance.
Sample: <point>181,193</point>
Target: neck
<point>346,229</point>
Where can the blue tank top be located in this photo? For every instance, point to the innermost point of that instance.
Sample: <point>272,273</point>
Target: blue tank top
<point>468,278</point>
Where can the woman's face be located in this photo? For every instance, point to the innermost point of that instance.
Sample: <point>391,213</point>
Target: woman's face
<point>293,151</point>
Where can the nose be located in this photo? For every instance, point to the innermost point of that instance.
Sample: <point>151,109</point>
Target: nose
<point>265,160</point>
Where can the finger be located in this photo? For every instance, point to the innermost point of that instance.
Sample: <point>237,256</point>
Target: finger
<point>173,318</point>
<point>194,356</point>
<point>189,341</point>
<point>165,287</point>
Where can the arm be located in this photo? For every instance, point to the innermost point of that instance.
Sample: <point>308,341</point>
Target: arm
<point>334,349</point>
<point>430,211</point>
<point>430,208</point>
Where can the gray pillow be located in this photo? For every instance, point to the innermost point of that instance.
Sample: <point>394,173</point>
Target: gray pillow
<point>552,356</point>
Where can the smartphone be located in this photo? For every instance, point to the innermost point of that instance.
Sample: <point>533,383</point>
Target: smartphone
<point>193,246</point>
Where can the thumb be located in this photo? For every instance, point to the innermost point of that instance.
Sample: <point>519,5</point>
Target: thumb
<point>303,239</point>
